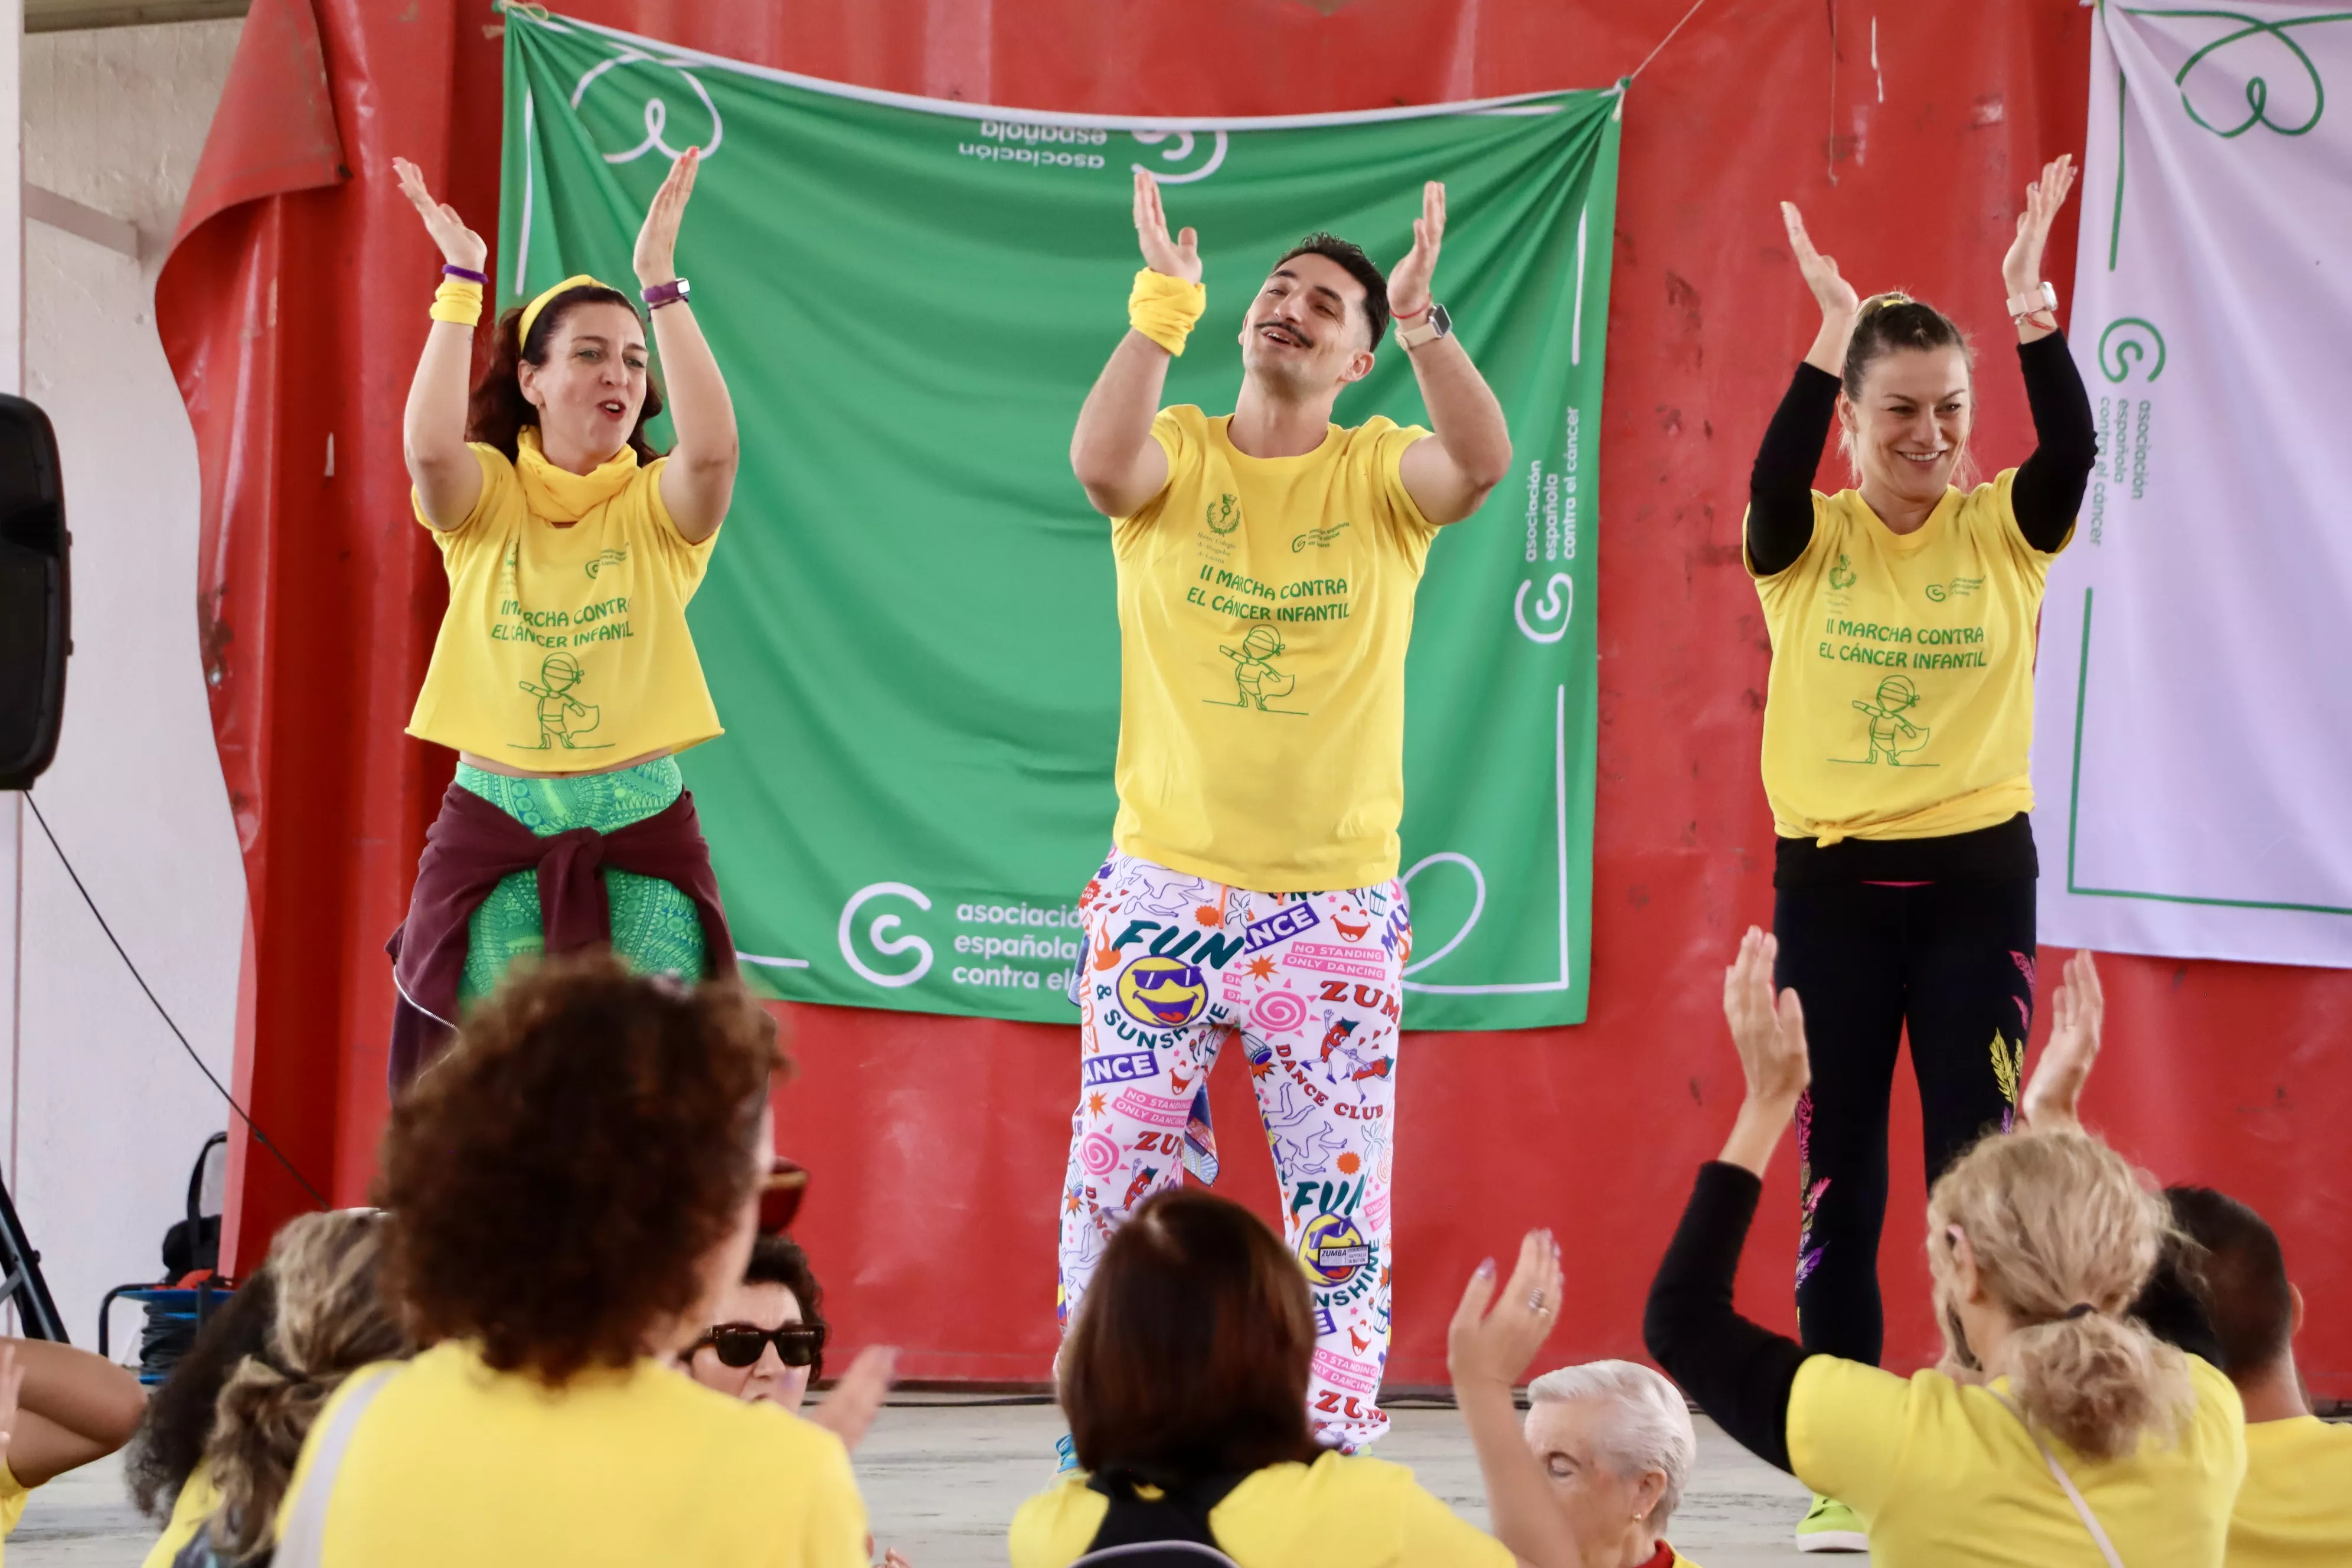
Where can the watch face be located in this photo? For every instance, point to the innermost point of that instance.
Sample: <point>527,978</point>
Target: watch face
<point>1441,321</point>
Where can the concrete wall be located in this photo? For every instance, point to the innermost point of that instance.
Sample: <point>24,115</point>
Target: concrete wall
<point>102,1112</point>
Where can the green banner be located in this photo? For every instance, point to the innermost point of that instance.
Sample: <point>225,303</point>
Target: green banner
<point>909,626</point>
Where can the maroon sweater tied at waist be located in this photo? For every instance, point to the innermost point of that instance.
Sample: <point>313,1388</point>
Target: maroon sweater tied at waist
<point>473,844</point>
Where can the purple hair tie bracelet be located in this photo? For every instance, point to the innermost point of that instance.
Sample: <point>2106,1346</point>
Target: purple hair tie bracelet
<point>452,270</point>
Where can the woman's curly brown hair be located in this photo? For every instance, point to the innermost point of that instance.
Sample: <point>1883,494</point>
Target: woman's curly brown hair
<point>557,1176</point>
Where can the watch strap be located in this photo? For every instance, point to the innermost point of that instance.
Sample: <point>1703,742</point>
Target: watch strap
<point>669,293</point>
<point>1432,325</point>
<point>2042,296</point>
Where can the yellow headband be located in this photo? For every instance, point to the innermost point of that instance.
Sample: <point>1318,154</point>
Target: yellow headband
<point>531,311</point>
<point>1880,301</point>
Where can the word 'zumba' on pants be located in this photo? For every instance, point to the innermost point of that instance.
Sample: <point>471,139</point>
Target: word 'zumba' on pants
<point>1177,965</point>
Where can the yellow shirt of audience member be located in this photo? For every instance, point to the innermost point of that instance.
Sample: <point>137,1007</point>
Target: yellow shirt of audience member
<point>1263,608</point>
<point>461,1467</point>
<point>14,1495</point>
<point>565,647</point>
<point>1338,1512</point>
<point>191,1512</point>
<point>2296,1508</point>
<point>1902,689</point>
<point>1944,1476</point>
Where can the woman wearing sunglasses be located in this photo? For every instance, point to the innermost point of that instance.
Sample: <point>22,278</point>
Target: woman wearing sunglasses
<point>768,1337</point>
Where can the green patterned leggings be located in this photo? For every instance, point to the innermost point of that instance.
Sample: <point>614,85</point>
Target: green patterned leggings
<point>655,926</point>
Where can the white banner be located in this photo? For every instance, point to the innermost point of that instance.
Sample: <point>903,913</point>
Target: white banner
<point>2193,759</point>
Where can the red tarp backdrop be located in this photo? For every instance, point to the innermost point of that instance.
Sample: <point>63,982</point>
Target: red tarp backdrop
<point>293,310</point>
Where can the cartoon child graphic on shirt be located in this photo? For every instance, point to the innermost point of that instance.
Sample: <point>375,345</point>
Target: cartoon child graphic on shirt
<point>562,717</point>
<point>1254,674</point>
<point>1892,734</point>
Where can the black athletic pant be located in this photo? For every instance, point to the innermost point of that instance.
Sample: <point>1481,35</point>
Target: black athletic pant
<point>1954,961</point>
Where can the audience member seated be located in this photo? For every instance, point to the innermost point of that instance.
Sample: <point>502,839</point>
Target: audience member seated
<point>2089,1440</point>
<point>2295,1510</point>
<point>1615,1446</point>
<point>330,1318</point>
<point>1184,1381</point>
<point>1598,1468</point>
<point>768,1344</point>
<point>165,1464</point>
<point>60,1409</point>
<point>774,1316</point>
<point>573,1186</point>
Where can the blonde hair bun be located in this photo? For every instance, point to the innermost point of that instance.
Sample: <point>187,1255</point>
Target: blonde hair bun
<point>2055,1220</point>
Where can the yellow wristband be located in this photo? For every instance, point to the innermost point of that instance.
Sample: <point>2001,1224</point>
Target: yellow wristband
<point>1165,309</point>
<point>458,300</point>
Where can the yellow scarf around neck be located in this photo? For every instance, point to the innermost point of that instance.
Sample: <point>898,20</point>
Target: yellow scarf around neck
<point>559,495</point>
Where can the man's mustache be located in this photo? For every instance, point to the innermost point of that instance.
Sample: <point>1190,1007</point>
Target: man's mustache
<point>1303,340</point>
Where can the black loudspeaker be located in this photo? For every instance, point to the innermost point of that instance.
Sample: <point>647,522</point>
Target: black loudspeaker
<point>34,635</point>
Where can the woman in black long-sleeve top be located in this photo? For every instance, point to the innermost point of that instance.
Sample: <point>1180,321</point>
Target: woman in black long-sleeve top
<point>2039,1242</point>
<point>1896,739</point>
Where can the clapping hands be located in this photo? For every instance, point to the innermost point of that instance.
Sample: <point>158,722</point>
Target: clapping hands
<point>1177,258</point>
<point>2077,1009</point>
<point>1493,1348</point>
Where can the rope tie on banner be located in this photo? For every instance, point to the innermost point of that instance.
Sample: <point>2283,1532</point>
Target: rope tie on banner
<point>1669,38</point>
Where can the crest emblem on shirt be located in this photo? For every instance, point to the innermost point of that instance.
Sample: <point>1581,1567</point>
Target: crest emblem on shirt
<point>1225,514</point>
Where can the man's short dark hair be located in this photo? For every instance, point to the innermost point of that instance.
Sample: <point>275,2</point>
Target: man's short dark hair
<point>1350,256</point>
<point>2241,1276</point>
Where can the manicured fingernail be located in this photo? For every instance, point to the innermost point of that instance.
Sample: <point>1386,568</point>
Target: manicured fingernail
<point>1486,1269</point>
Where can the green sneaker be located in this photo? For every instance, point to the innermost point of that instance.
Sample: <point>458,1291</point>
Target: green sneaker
<point>1830,1527</point>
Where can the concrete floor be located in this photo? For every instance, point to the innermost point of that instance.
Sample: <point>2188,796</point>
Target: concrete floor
<point>941,1479</point>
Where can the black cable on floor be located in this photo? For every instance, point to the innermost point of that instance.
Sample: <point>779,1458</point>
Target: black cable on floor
<point>241,1115</point>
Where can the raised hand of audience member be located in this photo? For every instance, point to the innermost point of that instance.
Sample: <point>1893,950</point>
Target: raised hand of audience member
<point>1769,1032</point>
<point>1486,1353</point>
<point>2077,1009</point>
<point>850,1408</point>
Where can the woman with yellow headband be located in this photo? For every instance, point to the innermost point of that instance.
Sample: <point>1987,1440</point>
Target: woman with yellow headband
<point>1902,614</point>
<point>563,676</point>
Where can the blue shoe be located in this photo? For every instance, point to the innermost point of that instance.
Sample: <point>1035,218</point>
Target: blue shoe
<point>1065,1455</point>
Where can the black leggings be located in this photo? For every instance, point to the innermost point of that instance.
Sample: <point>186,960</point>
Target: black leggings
<point>1953,960</point>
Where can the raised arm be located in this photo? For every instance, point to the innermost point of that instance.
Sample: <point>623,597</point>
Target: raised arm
<point>1487,1352</point>
<point>448,480</point>
<point>698,480</point>
<point>1780,486</point>
<point>72,1409</point>
<point>1469,448</point>
<point>1112,451</point>
<point>1739,1372</point>
<point>2048,490</point>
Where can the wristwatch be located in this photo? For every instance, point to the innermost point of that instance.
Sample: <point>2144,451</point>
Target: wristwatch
<point>1438,325</point>
<point>669,293</point>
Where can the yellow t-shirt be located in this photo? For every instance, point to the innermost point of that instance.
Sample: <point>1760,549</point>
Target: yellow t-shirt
<point>1944,1475</point>
<point>1263,608</point>
<point>191,1512</point>
<point>565,649</point>
<point>1341,1511</point>
<point>1902,689</point>
<point>14,1495</point>
<point>2295,1509</point>
<point>458,1465</point>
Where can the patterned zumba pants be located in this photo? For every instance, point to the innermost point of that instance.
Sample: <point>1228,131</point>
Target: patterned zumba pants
<point>1177,966</point>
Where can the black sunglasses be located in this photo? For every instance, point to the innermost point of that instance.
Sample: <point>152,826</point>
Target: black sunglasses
<point>739,1344</point>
